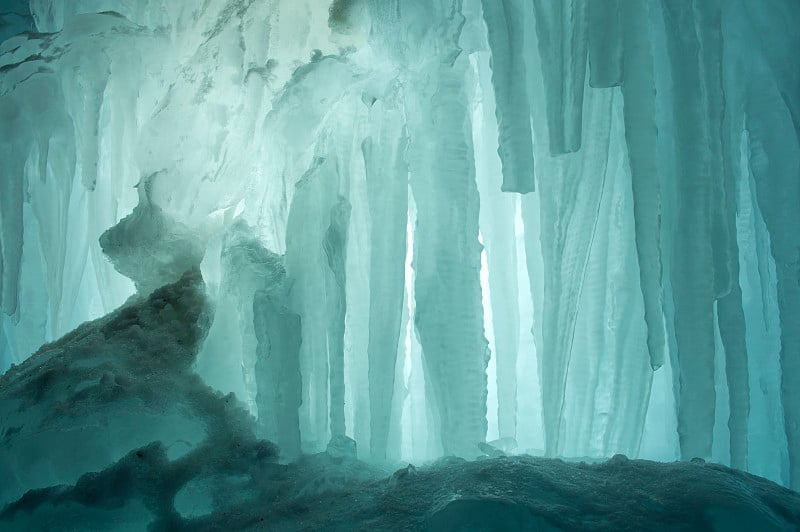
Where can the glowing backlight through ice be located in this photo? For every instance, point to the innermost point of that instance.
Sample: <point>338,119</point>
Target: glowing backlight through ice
<point>374,232</point>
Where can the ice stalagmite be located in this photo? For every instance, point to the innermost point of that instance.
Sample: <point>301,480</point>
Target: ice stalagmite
<point>384,153</point>
<point>506,29</point>
<point>561,28</point>
<point>606,40</point>
<point>692,273</point>
<point>641,135</point>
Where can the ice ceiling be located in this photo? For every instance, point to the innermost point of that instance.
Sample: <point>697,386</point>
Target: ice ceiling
<point>569,228</point>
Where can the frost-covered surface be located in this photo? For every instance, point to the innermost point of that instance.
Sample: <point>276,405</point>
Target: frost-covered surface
<point>569,225</point>
<point>238,486</point>
<point>123,381</point>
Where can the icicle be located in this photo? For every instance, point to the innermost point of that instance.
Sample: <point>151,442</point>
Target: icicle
<point>708,20</point>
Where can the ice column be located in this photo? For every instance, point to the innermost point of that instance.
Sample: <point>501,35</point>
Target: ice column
<point>692,274</point>
<point>384,152</point>
<point>449,314</point>
<point>335,246</point>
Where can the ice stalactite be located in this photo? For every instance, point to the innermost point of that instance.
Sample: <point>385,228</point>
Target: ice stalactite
<point>709,173</point>
<point>606,41</point>
<point>561,29</point>
<point>641,135</point>
<point>91,75</point>
<point>358,287</point>
<point>506,29</point>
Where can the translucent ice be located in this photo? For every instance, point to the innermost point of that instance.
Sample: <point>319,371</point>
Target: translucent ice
<point>422,226</point>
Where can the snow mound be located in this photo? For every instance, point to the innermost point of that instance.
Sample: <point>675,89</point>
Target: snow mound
<point>119,383</point>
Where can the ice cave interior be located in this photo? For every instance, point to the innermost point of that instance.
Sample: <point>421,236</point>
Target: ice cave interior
<point>399,264</point>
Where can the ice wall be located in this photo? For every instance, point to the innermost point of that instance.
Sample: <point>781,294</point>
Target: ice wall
<point>568,228</point>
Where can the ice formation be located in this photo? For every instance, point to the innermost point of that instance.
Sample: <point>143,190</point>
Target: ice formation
<point>404,229</point>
